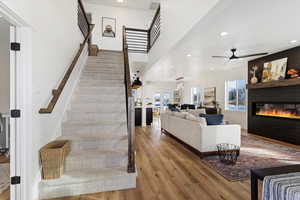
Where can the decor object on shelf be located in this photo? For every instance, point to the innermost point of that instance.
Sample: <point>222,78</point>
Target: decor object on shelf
<point>108,27</point>
<point>209,97</point>
<point>228,153</point>
<point>253,72</point>
<point>274,70</point>
<point>53,156</point>
<point>234,57</point>
<point>293,73</point>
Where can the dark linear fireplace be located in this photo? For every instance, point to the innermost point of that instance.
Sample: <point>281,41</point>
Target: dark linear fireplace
<point>277,110</point>
<point>274,111</point>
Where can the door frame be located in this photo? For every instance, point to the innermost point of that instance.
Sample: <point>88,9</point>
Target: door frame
<point>21,98</point>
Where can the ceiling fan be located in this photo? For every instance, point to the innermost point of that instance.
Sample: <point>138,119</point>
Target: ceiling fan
<point>233,57</point>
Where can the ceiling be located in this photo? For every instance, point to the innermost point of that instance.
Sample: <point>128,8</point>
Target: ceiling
<point>136,4</point>
<point>253,27</point>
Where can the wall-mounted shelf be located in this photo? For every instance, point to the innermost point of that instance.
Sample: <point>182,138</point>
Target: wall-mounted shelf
<point>272,84</point>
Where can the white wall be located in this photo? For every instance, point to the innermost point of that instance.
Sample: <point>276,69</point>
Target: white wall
<point>177,19</point>
<point>4,66</point>
<point>132,18</point>
<point>217,79</point>
<point>55,41</point>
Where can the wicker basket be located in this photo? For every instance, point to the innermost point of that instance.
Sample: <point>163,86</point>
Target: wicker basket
<point>53,156</point>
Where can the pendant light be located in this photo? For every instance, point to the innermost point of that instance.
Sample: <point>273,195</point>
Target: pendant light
<point>137,83</point>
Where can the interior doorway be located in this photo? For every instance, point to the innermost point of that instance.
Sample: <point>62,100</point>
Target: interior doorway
<point>16,120</point>
<point>5,106</point>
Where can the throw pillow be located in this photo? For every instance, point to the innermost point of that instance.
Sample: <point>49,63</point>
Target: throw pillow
<point>201,120</point>
<point>213,119</point>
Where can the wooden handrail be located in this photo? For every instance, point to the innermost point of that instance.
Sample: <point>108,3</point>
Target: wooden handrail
<point>57,92</point>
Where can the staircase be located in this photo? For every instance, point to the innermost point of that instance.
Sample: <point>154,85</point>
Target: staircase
<point>97,128</point>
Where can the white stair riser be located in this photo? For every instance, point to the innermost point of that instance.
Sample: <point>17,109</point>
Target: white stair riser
<point>96,101</point>
<point>97,108</point>
<point>101,78</point>
<point>103,71</point>
<point>92,162</point>
<point>104,83</point>
<point>94,130</point>
<point>99,144</point>
<point>95,117</point>
<point>104,90</point>
<point>97,98</point>
<point>111,184</point>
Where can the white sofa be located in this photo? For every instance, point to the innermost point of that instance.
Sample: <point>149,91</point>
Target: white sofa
<point>197,134</point>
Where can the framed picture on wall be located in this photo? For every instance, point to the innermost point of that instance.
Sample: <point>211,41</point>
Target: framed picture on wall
<point>209,97</point>
<point>108,27</point>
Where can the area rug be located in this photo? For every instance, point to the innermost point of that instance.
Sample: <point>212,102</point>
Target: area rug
<point>4,177</point>
<point>255,153</point>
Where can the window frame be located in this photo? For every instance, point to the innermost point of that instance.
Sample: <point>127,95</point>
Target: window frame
<point>236,109</point>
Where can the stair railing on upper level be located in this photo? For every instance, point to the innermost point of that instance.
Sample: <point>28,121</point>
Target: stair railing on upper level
<point>86,29</point>
<point>130,110</point>
<point>141,40</point>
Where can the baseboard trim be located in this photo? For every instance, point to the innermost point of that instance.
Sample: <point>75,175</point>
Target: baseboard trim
<point>189,147</point>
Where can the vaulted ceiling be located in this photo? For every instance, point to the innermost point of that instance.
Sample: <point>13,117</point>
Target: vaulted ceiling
<point>253,26</point>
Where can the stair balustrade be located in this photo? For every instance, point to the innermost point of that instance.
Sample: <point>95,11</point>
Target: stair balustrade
<point>142,40</point>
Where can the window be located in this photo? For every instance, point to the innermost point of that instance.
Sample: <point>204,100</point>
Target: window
<point>157,99</point>
<point>235,92</point>
<point>196,96</point>
<point>166,99</point>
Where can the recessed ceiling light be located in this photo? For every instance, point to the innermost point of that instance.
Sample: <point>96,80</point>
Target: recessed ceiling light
<point>189,55</point>
<point>293,41</point>
<point>120,1</point>
<point>223,34</point>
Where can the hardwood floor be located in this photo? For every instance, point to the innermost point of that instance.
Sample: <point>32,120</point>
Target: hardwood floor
<point>168,171</point>
<point>6,194</point>
<point>4,159</point>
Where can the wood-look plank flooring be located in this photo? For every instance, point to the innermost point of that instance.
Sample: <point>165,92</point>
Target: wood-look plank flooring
<point>5,195</point>
<point>4,159</point>
<point>168,171</point>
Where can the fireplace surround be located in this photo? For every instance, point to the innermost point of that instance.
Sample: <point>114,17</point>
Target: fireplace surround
<point>274,112</point>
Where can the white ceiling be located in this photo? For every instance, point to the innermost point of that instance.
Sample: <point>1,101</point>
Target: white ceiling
<point>136,4</point>
<point>254,26</point>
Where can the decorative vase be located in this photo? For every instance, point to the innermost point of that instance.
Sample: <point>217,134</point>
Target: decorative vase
<point>254,79</point>
<point>253,72</point>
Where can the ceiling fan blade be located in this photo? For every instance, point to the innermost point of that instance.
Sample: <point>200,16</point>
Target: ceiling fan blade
<point>220,57</point>
<point>251,55</point>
